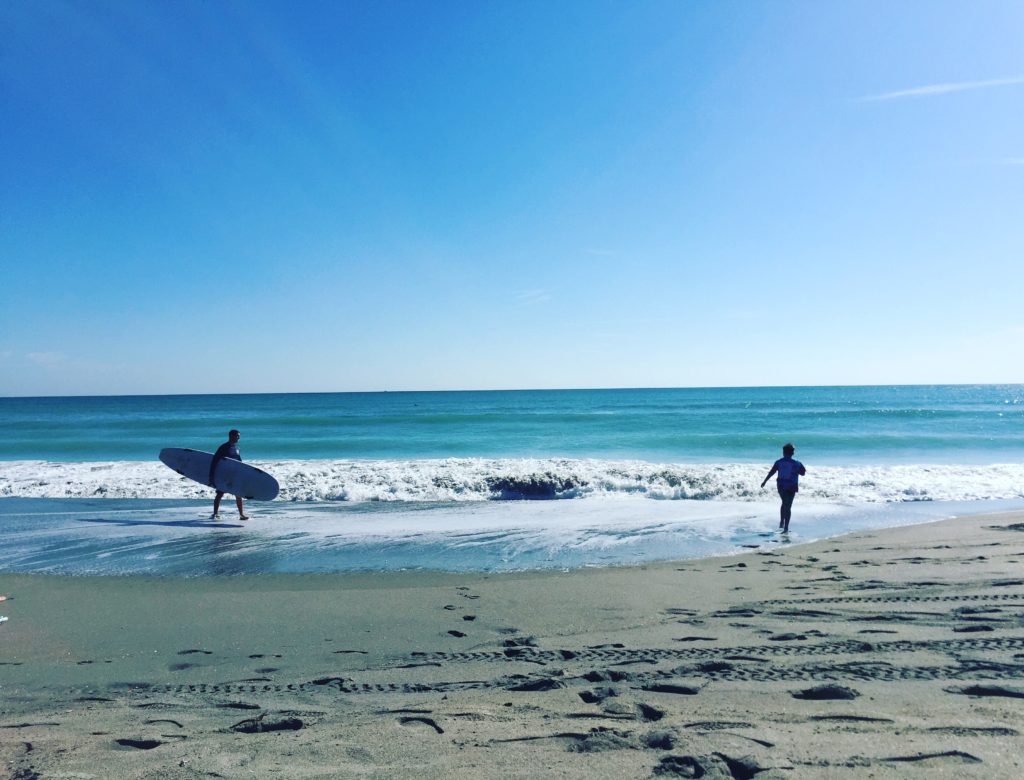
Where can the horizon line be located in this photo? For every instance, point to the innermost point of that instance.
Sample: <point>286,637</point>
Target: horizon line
<point>517,390</point>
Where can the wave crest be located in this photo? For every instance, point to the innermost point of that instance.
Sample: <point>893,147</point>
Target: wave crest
<point>477,479</point>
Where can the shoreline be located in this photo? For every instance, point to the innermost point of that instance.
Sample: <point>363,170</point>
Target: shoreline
<point>118,537</point>
<point>597,672</point>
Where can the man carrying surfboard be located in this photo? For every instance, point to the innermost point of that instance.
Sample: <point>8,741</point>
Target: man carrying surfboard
<point>228,449</point>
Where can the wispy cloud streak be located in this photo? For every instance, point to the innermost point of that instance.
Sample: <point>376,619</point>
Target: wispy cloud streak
<point>945,89</point>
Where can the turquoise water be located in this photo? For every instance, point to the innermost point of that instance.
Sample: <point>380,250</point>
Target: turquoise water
<point>492,480</point>
<point>830,425</point>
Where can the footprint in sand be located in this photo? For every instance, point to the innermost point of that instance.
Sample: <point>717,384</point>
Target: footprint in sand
<point>957,755</point>
<point>973,731</point>
<point>715,765</point>
<point>265,723</point>
<point>735,612</point>
<point>680,766</point>
<point>852,718</point>
<point>680,690</point>
<point>985,691</point>
<point>659,740</point>
<point>826,693</point>
<point>718,725</point>
<point>421,721</point>
<point>597,695</point>
<point>520,641</point>
<point>538,684</point>
<point>138,744</point>
<point>647,712</point>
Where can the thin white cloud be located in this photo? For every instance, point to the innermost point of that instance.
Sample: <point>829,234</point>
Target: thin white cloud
<point>1012,161</point>
<point>945,89</point>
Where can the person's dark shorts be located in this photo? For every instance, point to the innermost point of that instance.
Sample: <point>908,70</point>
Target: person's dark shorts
<point>787,495</point>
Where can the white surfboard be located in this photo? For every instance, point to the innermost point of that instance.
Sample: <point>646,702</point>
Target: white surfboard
<point>231,476</point>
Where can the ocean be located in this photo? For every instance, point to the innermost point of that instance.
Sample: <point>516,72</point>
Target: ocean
<point>500,480</point>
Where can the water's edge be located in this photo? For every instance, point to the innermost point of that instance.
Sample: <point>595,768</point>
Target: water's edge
<point>178,538</point>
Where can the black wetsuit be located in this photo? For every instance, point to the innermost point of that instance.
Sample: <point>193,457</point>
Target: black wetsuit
<point>226,450</point>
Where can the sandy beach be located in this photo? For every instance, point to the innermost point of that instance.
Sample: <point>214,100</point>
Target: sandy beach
<point>892,653</point>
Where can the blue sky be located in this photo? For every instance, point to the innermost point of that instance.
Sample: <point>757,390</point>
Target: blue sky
<point>249,197</point>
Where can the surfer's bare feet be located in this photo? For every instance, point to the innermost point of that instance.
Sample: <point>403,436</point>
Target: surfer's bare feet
<point>215,516</point>
<point>243,517</point>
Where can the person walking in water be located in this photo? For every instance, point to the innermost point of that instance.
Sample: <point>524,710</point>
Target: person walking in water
<point>789,472</point>
<point>228,449</point>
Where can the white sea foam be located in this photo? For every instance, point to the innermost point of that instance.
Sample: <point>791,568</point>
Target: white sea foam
<point>476,479</point>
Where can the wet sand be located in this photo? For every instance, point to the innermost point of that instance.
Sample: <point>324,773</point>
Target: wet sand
<point>893,653</point>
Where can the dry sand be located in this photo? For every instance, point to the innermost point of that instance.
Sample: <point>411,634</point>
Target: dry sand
<point>894,653</point>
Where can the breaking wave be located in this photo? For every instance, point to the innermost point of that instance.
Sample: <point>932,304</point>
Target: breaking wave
<point>477,479</point>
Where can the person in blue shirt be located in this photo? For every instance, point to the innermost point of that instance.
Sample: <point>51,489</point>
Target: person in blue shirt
<point>228,449</point>
<point>789,472</point>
